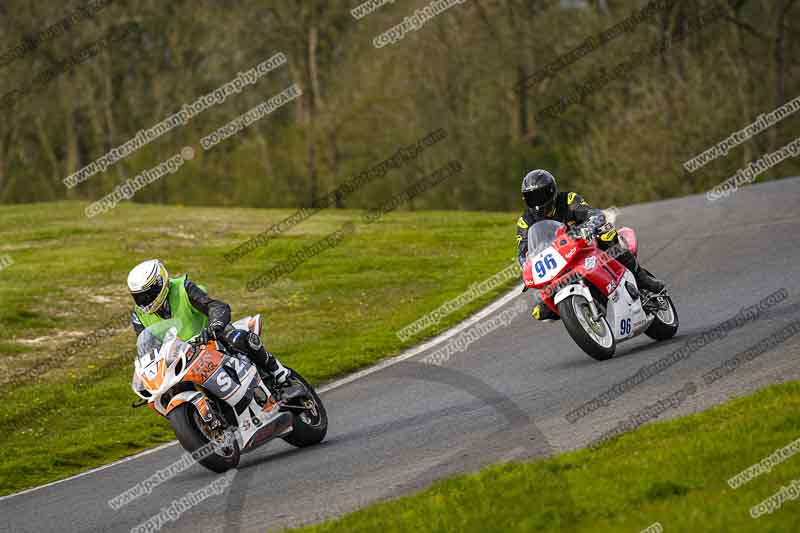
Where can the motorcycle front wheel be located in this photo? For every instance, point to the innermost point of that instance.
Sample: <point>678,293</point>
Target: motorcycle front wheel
<point>193,434</point>
<point>593,336</point>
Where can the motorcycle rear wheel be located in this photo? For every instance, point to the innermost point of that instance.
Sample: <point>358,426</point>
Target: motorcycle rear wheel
<point>593,336</point>
<point>309,427</point>
<point>665,323</point>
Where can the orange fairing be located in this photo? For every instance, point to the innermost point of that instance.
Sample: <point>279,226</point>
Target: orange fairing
<point>204,364</point>
<point>202,407</point>
<point>156,382</point>
<point>197,398</point>
<point>175,402</point>
<point>270,404</point>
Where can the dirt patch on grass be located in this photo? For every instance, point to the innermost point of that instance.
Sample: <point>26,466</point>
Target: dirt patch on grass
<point>52,337</point>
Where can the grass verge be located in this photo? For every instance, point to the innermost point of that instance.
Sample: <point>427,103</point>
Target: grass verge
<point>674,473</point>
<point>337,312</point>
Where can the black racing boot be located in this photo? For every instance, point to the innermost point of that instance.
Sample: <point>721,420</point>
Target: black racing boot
<point>644,279</point>
<point>543,313</point>
<point>267,364</point>
<point>278,372</point>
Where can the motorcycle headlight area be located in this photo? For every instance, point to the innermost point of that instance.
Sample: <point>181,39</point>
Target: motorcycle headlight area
<point>139,388</point>
<point>175,354</point>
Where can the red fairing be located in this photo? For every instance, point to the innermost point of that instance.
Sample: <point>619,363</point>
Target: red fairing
<point>527,273</point>
<point>630,238</point>
<point>584,262</point>
<point>606,274</point>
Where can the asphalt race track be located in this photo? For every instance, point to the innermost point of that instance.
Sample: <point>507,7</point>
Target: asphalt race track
<point>505,397</point>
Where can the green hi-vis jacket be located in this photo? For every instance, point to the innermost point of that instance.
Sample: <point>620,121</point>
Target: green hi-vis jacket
<point>191,320</point>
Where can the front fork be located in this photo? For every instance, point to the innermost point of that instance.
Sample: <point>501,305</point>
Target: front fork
<point>594,311</point>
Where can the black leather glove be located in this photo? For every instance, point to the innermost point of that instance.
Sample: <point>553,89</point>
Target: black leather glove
<point>211,332</point>
<point>582,231</point>
<point>575,233</point>
<point>217,326</point>
<point>205,335</point>
<point>572,232</point>
<point>596,221</point>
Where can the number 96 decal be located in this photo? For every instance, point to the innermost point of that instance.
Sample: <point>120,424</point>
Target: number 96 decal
<point>547,264</point>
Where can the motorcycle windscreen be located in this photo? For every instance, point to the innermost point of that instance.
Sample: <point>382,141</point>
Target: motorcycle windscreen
<point>152,337</point>
<point>541,235</point>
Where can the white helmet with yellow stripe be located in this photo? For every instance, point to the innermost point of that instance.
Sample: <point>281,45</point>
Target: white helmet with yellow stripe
<point>149,285</point>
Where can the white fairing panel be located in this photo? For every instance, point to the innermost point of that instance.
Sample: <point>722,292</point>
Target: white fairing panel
<point>249,323</point>
<point>239,392</point>
<point>624,314</point>
<point>574,289</point>
<point>254,418</point>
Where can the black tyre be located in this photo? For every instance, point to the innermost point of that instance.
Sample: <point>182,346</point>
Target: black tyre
<point>665,323</point>
<point>311,426</point>
<point>593,336</point>
<point>191,433</point>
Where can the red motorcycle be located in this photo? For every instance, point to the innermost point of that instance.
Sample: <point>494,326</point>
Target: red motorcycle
<point>596,296</point>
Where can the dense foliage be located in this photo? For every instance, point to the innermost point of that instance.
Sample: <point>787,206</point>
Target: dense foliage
<point>474,70</point>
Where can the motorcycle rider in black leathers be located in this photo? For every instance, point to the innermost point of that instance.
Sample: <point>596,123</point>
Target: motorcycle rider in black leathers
<point>544,201</point>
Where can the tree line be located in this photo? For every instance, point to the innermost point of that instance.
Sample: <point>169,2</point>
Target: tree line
<point>488,72</point>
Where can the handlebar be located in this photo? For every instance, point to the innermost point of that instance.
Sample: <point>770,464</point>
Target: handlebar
<point>590,229</point>
<point>583,232</point>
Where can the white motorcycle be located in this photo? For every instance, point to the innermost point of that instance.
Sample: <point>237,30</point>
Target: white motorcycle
<point>217,402</point>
